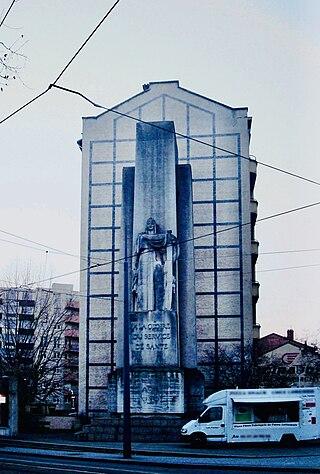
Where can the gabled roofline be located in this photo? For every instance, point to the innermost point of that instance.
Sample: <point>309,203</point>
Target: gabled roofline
<point>213,101</point>
<point>94,117</point>
<point>297,344</point>
<point>164,82</point>
<point>174,81</point>
<point>273,334</point>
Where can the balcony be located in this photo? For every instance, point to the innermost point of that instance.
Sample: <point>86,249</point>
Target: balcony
<point>71,348</point>
<point>72,333</point>
<point>253,173</point>
<point>254,250</point>
<point>26,317</point>
<point>255,291</point>
<point>28,303</point>
<point>71,378</point>
<point>72,305</point>
<point>72,318</point>
<point>25,346</point>
<point>26,331</point>
<point>253,210</point>
<point>71,364</point>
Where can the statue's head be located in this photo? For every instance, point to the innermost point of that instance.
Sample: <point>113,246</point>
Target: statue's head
<point>151,226</point>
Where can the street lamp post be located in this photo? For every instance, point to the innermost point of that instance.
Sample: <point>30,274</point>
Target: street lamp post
<point>126,370</point>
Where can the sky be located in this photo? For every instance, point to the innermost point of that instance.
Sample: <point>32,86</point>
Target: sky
<point>260,54</point>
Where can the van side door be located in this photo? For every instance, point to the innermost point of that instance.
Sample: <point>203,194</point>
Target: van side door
<point>212,423</point>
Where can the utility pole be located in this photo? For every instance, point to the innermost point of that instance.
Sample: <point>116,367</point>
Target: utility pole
<point>126,366</point>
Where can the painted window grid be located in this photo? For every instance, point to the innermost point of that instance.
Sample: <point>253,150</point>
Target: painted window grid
<point>221,174</point>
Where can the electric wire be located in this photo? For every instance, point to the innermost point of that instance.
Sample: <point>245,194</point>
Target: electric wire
<point>178,134</point>
<point>81,257</point>
<point>39,244</point>
<point>77,294</point>
<point>261,163</point>
<point>22,245</point>
<point>288,251</point>
<point>289,268</point>
<point>64,68</point>
<point>97,265</point>
<point>85,42</point>
<point>228,273</point>
<point>151,124</point>
<point>7,13</point>
<point>45,248</point>
<point>25,105</point>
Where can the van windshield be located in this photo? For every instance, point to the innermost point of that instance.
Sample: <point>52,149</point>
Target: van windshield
<point>273,412</point>
<point>212,414</point>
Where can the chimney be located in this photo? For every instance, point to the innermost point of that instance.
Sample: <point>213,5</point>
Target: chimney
<point>290,334</point>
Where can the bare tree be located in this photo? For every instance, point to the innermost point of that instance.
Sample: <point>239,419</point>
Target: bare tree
<point>12,61</point>
<point>31,341</point>
<point>233,366</point>
<point>270,372</point>
<point>241,368</point>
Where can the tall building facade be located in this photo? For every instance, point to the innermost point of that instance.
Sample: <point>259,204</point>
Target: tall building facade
<point>66,346</point>
<point>214,139</point>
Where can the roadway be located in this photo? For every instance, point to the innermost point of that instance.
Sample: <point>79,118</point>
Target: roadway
<point>56,455</point>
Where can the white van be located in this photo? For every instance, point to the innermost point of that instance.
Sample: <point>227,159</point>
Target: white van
<point>261,415</point>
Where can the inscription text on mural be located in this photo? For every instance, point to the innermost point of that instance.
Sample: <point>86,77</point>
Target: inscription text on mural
<point>153,339</point>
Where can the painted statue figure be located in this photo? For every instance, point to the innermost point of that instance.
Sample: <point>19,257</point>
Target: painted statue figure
<point>154,269</point>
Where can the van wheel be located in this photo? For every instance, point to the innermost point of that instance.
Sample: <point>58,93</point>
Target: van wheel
<point>198,440</point>
<point>288,439</point>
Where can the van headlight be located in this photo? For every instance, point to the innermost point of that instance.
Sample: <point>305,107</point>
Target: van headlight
<point>183,430</point>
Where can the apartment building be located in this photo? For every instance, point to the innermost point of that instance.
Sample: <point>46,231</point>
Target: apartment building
<point>39,335</point>
<point>214,139</point>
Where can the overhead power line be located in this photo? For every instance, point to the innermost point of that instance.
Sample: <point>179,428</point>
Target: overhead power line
<point>45,247</point>
<point>82,257</point>
<point>64,68</point>
<point>25,105</point>
<point>289,268</point>
<point>78,295</point>
<point>86,41</point>
<point>178,134</point>
<point>53,251</point>
<point>97,265</point>
<point>278,252</point>
<point>7,13</point>
<point>182,135</point>
<point>23,245</point>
